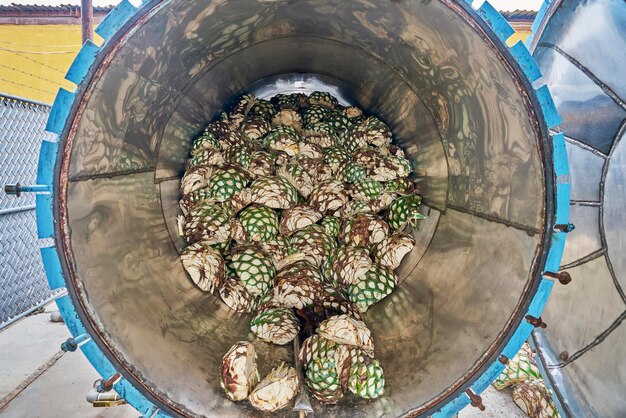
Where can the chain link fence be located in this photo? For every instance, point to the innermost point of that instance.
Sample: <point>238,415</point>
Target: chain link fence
<point>23,285</point>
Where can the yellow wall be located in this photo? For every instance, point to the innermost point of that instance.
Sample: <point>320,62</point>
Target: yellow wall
<point>35,58</point>
<point>520,35</point>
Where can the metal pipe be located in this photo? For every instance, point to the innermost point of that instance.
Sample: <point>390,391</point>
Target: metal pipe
<point>93,395</point>
<point>23,99</point>
<point>17,189</point>
<point>61,293</point>
<point>86,19</point>
<point>15,210</point>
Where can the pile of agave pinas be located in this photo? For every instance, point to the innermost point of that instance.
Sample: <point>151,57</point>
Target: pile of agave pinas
<point>298,210</point>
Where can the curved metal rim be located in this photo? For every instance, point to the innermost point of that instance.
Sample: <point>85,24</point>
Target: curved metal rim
<point>118,25</point>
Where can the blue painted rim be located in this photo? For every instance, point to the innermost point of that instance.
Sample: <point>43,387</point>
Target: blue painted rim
<point>561,170</point>
<point>60,111</point>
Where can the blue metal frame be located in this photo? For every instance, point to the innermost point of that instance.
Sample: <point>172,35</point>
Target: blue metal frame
<point>541,14</point>
<point>45,223</point>
<point>45,219</point>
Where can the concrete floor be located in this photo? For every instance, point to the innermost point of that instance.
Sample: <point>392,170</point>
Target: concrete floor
<point>38,380</point>
<point>32,346</point>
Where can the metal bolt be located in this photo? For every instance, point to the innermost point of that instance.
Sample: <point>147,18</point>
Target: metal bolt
<point>503,359</point>
<point>565,227</point>
<point>72,343</point>
<point>475,400</point>
<point>107,384</point>
<point>69,345</point>
<point>12,189</point>
<point>564,356</point>
<point>536,322</point>
<point>563,277</point>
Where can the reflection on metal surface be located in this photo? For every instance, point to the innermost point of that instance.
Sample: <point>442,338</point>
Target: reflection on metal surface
<point>465,120</point>
<point>591,280</point>
<point>474,102</point>
<point>615,212</point>
<point>585,239</point>
<point>169,192</point>
<point>452,295</point>
<point>585,180</point>
<point>580,49</point>
<point>423,237</point>
<point>588,113</point>
<point>592,32</point>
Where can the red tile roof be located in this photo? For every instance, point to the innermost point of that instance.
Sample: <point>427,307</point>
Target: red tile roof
<point>37,10</point>
<point>519,15</point>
